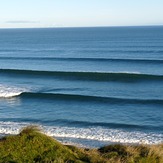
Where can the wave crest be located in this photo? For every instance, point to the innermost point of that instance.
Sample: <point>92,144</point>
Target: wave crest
<point>10,91</point>
<point>84,75</point>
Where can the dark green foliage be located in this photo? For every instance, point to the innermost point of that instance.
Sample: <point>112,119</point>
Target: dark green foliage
<point>144,151</point>
<point>116,148</point>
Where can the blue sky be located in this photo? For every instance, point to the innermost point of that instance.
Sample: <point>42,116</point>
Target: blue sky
<point>79,13</point>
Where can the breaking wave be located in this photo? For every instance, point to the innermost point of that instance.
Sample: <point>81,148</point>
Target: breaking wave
<point>92,133</point>
<point>10,91</point>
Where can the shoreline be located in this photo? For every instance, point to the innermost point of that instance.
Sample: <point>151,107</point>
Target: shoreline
<point>86,143</point>
<point>32,145</point>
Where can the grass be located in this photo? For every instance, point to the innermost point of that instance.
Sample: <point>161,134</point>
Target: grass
<point>31,145</point>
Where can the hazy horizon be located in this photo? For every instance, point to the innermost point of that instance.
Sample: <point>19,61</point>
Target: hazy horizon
<point>92,13</point>
<point>83,27</point>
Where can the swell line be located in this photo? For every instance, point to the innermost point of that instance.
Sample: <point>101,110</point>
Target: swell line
<point>147,50</point>
<point>75,123</point>
<point>85,98</point>
<point>135,60</point>
<point>94,76</point>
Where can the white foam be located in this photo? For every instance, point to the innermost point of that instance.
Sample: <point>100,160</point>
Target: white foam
<point>11,128</point>
<point>10,91</point>
<point>93,134</point>
<point>108,135</point>
<point>131,72</point>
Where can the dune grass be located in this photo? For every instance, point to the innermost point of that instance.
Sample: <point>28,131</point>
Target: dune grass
<point>31,145</point>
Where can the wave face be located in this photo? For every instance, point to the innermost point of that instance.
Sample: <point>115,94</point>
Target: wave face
<point>8,92</point>
<point>75,97</point>
<point>88,86</point>
<point>94,76</point>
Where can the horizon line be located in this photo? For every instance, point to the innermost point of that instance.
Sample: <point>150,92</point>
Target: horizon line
<point>114,26</point>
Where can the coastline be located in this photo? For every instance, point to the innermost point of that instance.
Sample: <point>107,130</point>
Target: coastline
<point>31,145</point>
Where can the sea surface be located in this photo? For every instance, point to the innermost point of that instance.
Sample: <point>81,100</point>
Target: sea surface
<point>84,86</point>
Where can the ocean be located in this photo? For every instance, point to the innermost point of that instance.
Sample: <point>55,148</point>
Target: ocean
<point>84,86</point>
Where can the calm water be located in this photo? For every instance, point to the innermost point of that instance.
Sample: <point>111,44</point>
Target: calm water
<point>85,86</point>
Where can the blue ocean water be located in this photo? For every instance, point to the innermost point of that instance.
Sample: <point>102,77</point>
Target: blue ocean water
<point>85,86</point>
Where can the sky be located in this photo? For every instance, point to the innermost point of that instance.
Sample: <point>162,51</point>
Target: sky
<point>79,13</point>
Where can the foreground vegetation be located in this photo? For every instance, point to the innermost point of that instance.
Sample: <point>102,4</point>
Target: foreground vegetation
<point>33,146</point>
